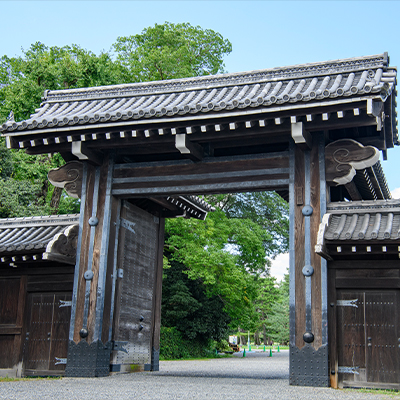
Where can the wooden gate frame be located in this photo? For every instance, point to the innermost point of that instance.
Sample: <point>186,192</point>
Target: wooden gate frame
<point>311,132</point>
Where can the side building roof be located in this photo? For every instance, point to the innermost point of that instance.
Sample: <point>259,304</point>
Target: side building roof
<point>366,228</point>
<point>33,238</point>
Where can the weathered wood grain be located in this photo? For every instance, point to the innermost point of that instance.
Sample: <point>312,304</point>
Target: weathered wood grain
<point>316,304</point>
<point>299,184</point>
<point>80,303</point>
<point>158,288</point>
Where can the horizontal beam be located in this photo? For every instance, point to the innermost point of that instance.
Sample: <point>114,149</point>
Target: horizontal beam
<point>241,186</point>
<point>281,157</point>
<point>208,176</point>
<point>368,283</point>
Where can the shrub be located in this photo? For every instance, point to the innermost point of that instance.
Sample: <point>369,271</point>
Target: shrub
<point>174,347</point>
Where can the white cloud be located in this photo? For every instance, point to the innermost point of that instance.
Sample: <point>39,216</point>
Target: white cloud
<point>280,266</point>
<point>396,193</point>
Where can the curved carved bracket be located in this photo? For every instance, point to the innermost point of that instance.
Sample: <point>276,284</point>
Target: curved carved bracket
<point>343,157</point>
<point>68,177</point>
<point>63,246</point>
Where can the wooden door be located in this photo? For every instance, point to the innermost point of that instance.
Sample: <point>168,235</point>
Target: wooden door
<point>382,334</point>
<point>137,263</point>
<point>11,312</point>
<point>46,342</point>
<point>368,338</point>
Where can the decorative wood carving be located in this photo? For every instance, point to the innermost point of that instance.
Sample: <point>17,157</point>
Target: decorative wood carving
<point>343,157</point>
<point>68,177</point>
<point>63,247</point>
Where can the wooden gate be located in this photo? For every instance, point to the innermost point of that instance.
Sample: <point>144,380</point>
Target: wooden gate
<point>46,342</point>
<point>368,338</point>
<point>137,269</point>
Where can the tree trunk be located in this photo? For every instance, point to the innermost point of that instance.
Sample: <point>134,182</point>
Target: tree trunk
<point>257,338</point>
<point>242,338</point>
<point>264,329</point>
<point>55,199</point>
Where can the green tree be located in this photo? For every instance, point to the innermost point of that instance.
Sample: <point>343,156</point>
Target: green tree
<point>228,255</point>
<point>186,307</point>
<point>266,209</point>
<point>170,51</point>
<point>22,83</point>
<point>24,79</point>
<point>278,321</point>
<point>267,296</point>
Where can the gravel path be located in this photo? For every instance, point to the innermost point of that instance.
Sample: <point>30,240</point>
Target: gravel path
<point>256,376</point>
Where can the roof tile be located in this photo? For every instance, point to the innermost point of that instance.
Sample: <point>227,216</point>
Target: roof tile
<point>300,83</point>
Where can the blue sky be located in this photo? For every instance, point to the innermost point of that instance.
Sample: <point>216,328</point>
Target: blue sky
<point>264,34</point>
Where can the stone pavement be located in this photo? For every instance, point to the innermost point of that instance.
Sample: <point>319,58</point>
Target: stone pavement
<point>256,376</point>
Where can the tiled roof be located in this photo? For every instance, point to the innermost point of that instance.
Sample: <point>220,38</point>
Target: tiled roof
<point>32,233</point>
<point>366,220</point>
<point>197,201</point>
<point>354,77</point>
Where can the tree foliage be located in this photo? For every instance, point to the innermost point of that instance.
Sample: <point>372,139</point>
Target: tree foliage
<point>186,306</point>
<point>228,255</point>
<point>170,51</point>
<point>24,79</point>
<point>278,320</point>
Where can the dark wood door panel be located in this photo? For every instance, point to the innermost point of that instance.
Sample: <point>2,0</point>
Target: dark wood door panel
<point>9,292</point>
<point>137,256</point>
<point>47,332</point>
<point>60,331</point>
<point>38,335</point>
<point>368,337</point>
<point>351,333</point>
<point>381,309</point>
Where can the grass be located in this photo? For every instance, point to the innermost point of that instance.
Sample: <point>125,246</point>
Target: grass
<point>27,378</point>
<point>201,358</point>
<point>389,392</point>
<point>261,347</point>
<point>211,356</point>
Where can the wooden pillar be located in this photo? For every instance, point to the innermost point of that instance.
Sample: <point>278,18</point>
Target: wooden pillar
<point>308,273</point>
<point>155,353</point>
<point>89,349</point>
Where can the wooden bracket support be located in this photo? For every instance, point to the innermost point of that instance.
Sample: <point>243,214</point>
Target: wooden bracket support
<point>301,136</point>
<point>80,150</point>
<point>374,107</point>
<point>185,146</point>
